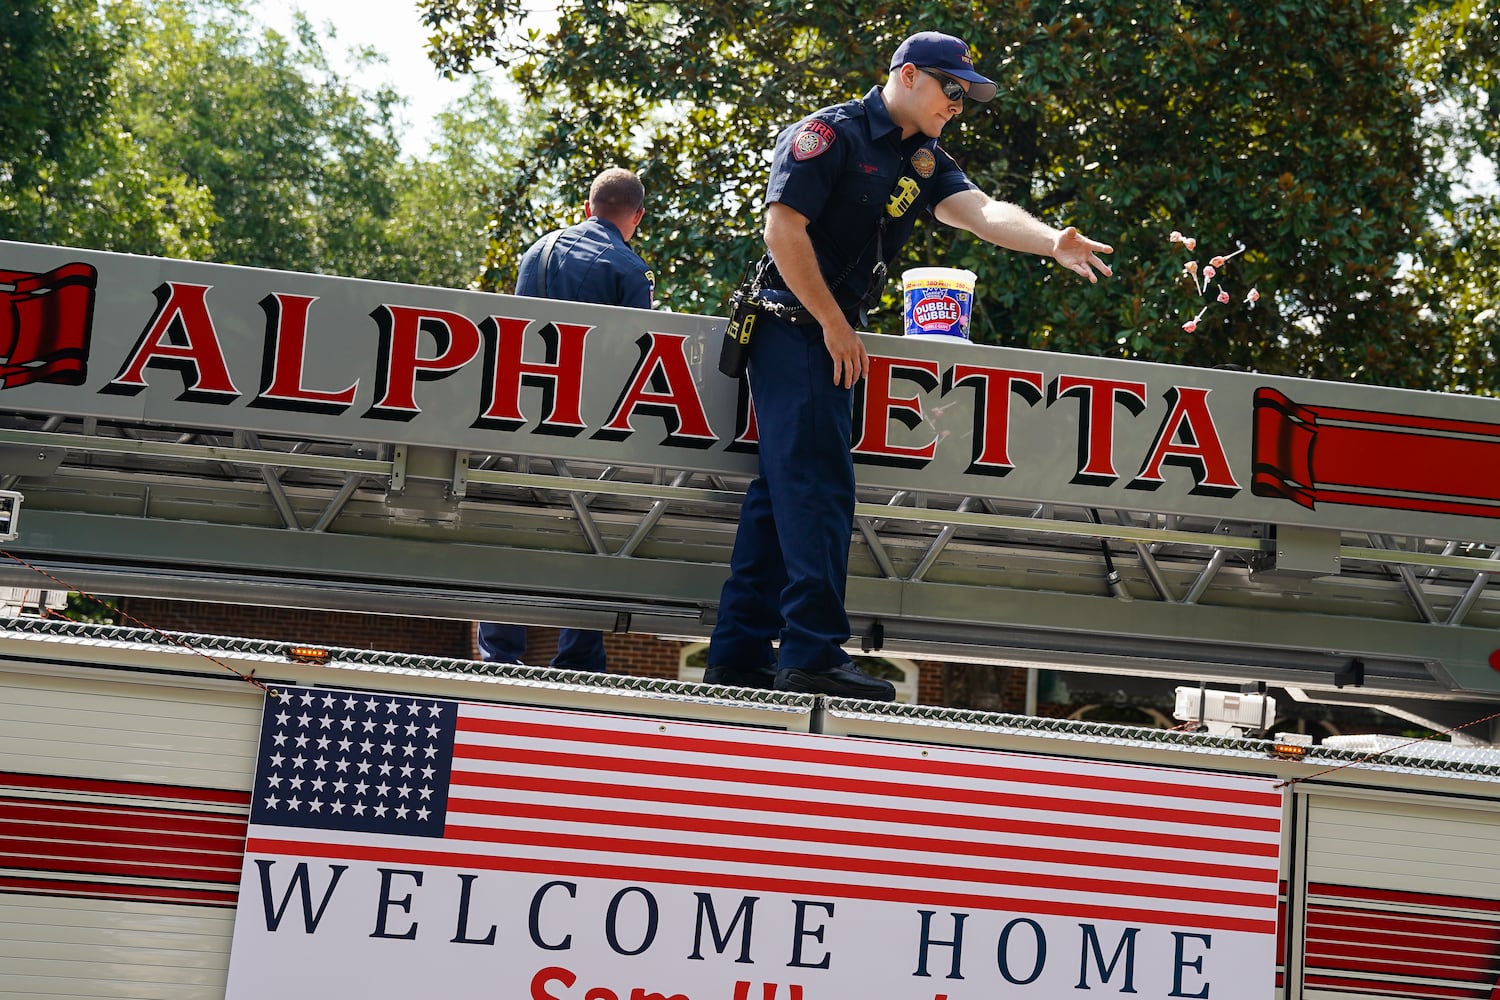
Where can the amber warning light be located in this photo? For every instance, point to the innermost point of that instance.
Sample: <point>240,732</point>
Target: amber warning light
<point>1291,746</point>
<point>307,654</point>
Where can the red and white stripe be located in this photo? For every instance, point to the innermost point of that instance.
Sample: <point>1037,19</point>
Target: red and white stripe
<point>1391,943</point>
<point>92,838</point>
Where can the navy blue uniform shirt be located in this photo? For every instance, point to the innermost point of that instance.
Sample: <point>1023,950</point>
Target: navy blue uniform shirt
<point>590,262</point>
<point>844,167</point>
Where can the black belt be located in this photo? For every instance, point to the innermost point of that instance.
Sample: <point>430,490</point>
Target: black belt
<point>798,315</point>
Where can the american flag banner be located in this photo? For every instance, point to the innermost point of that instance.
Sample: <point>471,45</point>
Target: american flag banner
<point>403,846</point>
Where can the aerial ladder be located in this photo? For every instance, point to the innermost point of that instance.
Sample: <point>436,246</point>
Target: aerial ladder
<point>204,431</point>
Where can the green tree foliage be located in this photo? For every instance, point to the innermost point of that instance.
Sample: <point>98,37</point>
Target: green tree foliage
<point>1291,127</point>
<point>88,608</point>
<point>296,162</point>
<point>1453,53</point>
<point>54,75</point>
<point>446,198</point>
<point>182,130</point>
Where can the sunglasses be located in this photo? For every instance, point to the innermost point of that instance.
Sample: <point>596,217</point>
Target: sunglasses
<point>952,89</point>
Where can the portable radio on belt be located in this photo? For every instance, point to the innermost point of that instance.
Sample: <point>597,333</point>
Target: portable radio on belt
<point>734,352</point>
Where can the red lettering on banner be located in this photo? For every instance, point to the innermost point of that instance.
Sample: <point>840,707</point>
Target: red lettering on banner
<point>1199,447</point>
<point>993,388</point>
<point>545,978</point>
<point>746,432</point>
<point>560,376</point>
<point>1096,421</point>
<point>878,408</point>
<point>662,384</point>
<point>286,357</point>
<point>548,976</point>
<point>640,993</point>
<point>180,335</point>
<point>768,991</point>
<point>401,364</point>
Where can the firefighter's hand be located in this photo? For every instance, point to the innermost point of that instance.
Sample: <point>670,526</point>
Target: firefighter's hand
<point>850,360</point>
<point>1079,254</point>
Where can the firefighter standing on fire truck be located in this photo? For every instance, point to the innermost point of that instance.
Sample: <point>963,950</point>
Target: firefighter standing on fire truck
<point>589,262</point>
<point>846,186</point>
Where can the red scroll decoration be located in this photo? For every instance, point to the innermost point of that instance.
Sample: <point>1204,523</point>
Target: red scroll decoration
<point>1368,458</point>
<point>45,320</point>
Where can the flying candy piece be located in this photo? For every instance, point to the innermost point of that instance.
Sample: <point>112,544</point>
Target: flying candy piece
<point>1219,261</point>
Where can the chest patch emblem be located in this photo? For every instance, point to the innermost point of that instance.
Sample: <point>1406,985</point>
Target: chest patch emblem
<point>813,140</point>
<point>923,162</point>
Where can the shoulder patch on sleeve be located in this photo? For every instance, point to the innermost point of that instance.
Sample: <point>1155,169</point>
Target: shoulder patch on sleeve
<point>813,139</point>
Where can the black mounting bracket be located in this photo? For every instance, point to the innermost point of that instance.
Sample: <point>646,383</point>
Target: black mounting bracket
<point>1353,674</point>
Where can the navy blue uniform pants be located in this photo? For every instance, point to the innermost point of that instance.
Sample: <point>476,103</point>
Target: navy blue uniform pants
<point>790,564</point>
<point>577,649</point>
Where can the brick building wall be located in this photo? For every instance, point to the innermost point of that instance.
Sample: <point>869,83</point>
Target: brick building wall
<point>931,688</point>
<point>628,653</point>
<point>636,655</point>
<point>426,636</point>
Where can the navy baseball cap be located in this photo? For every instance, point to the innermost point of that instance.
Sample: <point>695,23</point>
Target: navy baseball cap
<point>935,50</point>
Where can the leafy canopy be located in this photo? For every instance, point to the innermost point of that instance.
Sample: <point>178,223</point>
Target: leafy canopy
<point>179,128</point>
<point>1232,122</point>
